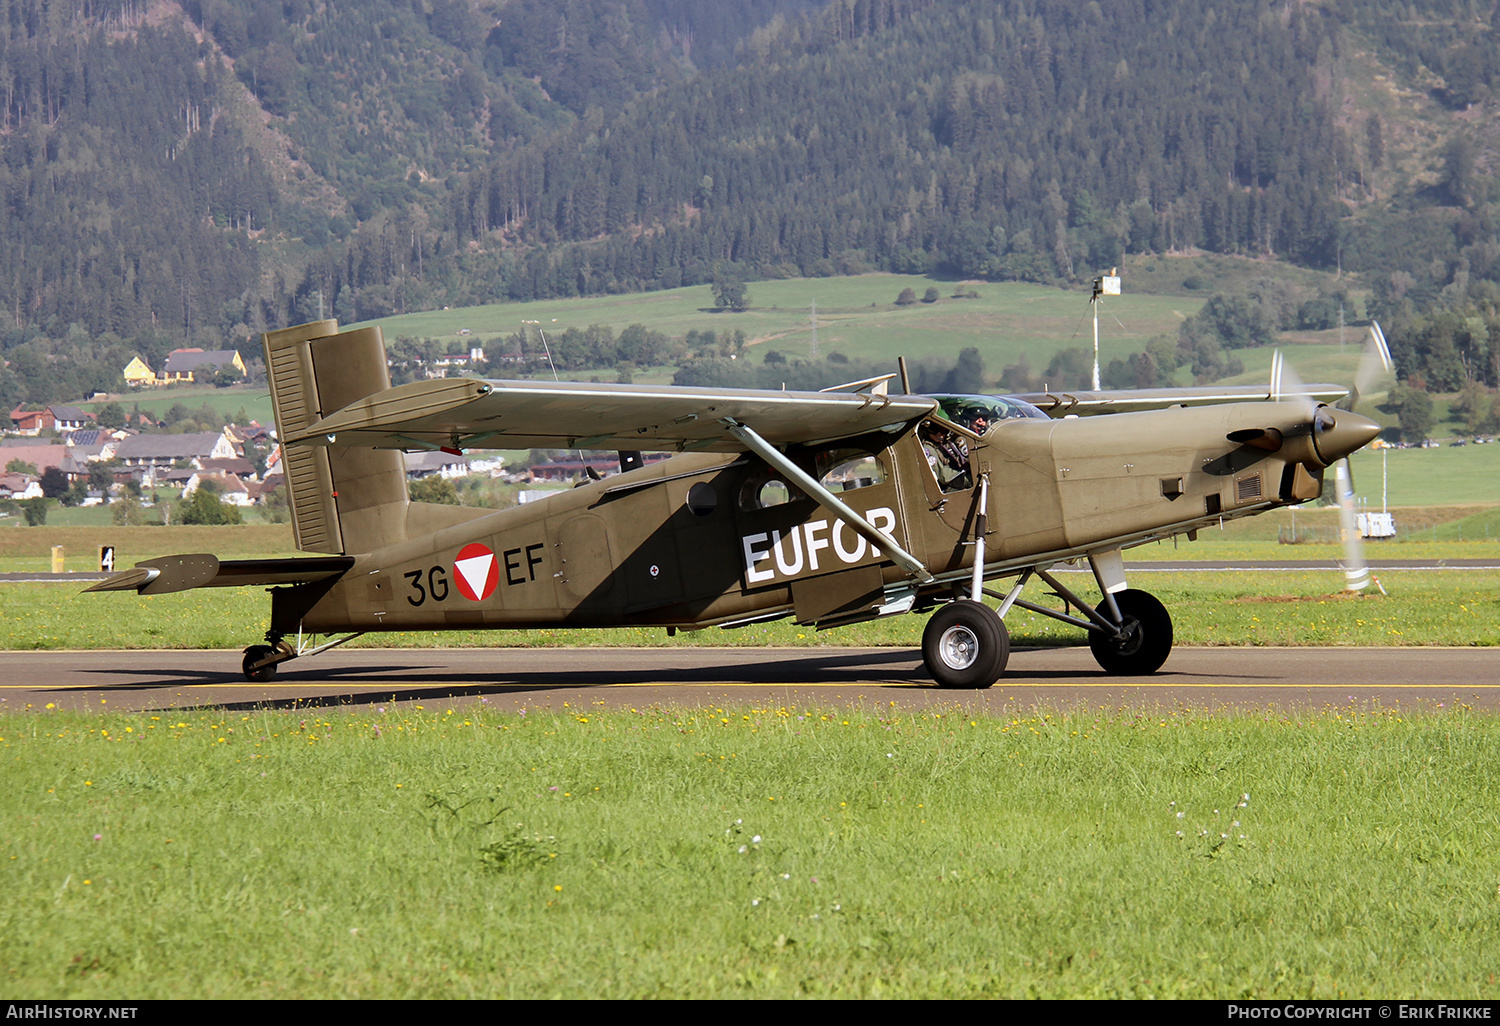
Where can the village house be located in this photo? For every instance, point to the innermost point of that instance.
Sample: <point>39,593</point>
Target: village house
<point>574,467</point>
<point>54,418</point>
<point>152,453</point>
<point>137,374</point>
<point>442,464</point>
<point>40,456</point>
<point>440,366</point>
<point>19,486</point>
<point>188,365</point>
<point>231,489</point>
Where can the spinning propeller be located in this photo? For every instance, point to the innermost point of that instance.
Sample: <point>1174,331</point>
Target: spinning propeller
<point>1374,368</point>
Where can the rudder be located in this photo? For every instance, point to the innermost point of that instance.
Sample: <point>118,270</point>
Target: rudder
<point>343,499</point>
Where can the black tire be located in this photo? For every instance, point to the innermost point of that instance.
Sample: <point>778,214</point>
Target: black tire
<point>254,654</point>
<point>1149,637</point>
<point>965,645</point>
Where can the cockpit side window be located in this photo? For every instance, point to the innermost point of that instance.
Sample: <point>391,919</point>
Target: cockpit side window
<point>947,454</point>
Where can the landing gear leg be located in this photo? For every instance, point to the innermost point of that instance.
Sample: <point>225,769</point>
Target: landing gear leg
<point>1130,632</point>
<point>965,645</point>
<point>1144,640</point>
<point>260,662</point>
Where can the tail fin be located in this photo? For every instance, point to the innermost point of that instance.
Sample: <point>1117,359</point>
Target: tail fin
<point>343,500</point>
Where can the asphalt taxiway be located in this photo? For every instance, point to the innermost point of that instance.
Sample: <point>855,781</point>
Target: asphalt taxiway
<point>508,679</point>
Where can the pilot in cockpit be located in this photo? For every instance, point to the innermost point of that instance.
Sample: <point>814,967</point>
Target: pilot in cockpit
<point>947,455</point>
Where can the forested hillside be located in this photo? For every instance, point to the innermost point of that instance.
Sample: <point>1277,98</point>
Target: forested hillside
<point>199,171</point>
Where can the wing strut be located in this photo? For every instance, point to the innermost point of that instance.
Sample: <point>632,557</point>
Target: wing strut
<point>768,452</point>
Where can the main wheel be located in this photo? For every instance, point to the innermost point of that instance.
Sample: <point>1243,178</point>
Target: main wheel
<point>965,645</point>
<point>254,654</point>
<point>1147,641</point>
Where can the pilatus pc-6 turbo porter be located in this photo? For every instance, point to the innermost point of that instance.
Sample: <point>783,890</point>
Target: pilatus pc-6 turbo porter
<point>827,507</point>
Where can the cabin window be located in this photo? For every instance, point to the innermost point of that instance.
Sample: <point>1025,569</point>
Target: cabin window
<point>766,488</point>
<point>844,470</point>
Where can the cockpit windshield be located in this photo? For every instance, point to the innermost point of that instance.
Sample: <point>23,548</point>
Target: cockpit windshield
<point>979,412</point>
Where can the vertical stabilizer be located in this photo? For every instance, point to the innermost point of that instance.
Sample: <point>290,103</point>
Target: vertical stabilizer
<point>343,499</point>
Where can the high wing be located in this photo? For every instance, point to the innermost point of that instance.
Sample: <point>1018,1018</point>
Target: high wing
<point>469,413</point>
<point>1064,404</point>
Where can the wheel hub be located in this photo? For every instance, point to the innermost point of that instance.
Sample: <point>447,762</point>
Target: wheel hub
<point>958,647</point>
<point>1129,641</point>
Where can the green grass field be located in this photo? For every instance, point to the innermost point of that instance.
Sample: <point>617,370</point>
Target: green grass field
<point>857,316</point>
<point>1226,608</point>
<point>1429,477</point>
<point>749,852</point>
<point>255,401</point>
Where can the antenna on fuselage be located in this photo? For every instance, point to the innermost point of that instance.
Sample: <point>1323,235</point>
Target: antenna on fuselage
<point>1105,285</point>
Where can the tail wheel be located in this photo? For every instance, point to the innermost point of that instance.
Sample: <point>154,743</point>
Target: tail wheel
<point>253,655</point>
<point>1147,641</point>
<point>965,645</point>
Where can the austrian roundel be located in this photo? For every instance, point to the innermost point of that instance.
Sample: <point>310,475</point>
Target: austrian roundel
<point>477,572</point>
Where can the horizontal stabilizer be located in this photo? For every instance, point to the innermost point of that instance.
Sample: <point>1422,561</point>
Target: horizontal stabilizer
<point>167,574</point>
<point>470,413</point>
<point>1133,400</point>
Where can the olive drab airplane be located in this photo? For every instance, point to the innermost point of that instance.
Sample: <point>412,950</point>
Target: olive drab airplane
<point>828,507</point>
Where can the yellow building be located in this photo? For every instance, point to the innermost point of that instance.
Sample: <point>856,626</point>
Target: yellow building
<point>138,374</point>
<point>197,365</point>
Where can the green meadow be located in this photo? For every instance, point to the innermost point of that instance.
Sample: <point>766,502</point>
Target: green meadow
<point>749,852</point>
<point>1250,607</point>
<point>857,316</point>
<point>228,402</point>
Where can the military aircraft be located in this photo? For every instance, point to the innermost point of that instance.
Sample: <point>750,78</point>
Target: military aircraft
<point>828,507</point>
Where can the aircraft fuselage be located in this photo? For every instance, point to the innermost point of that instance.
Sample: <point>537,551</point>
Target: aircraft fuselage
<point>704,539</point>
